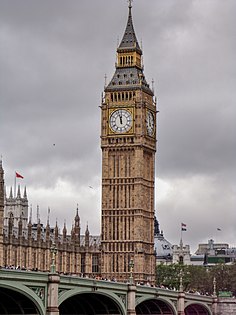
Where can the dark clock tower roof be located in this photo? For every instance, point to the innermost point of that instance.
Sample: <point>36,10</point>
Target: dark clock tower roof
<point>129,39</point>
<point>129,76</point>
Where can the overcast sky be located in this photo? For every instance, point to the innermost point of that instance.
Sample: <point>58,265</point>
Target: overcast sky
<point>54,55</point>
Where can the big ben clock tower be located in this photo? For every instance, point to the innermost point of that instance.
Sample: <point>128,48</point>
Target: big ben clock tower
<point>128,142</point>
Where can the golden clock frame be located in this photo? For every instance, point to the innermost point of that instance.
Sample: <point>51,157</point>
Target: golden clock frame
<point>114,109</point>
<point>154,117</point>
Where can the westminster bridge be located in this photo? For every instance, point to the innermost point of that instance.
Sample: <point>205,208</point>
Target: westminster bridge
<point>24,292</point>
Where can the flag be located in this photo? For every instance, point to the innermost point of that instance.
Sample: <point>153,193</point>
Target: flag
<point>18,175</point>
<point>183,227</point>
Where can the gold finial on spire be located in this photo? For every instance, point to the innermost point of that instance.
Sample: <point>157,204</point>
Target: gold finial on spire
<point>130,3</point>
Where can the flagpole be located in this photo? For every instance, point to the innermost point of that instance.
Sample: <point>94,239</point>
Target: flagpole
<point>15,186</point>
<point>181,231</point>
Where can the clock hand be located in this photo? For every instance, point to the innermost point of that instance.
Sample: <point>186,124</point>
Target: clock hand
<point>120,118</point>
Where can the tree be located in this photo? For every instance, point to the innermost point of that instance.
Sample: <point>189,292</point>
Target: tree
<point>197,278</point>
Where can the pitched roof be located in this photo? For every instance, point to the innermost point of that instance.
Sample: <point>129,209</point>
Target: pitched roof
<point>129,39</point>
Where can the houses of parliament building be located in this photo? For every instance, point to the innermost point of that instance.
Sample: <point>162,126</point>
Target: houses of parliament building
<point>128,144</point>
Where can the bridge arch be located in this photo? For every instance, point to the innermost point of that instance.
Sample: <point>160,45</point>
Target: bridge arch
<point>19,299</point>
<point>90,302</point>
<point>155,306</point>
<point>197,309</point>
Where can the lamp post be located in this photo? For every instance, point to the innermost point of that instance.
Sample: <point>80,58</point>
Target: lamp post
<point>131,269</point>
<point>181,281</point>
<point>53,251</point>
<point>214,286</point>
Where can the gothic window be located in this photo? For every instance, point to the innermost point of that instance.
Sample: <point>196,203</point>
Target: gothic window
<point>60,260</point>
<point>82,263</point>
<point>95,263</point>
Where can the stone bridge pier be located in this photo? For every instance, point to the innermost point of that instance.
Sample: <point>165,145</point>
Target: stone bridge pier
<point>52,297</point>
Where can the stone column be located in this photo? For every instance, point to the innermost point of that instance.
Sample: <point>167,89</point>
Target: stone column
<point>180,305</point>
<point>52,301</point>
<point>214,305</point>
<point>131,300</point>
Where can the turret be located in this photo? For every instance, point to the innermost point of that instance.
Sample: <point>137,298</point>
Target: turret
<point>39,227</point>
<point>56,233</point>
<point>18,193</point>
<point>64,233</point>
<point>156,227</point>
<point>30,225</point>
<point>72,233</point>
<point>18,205</point>
<point>77,227</point>
<point>25,194</point>
<point>129,74</point>
<point>48,228</point>
<point>87,237</point>
<point>11,194</point>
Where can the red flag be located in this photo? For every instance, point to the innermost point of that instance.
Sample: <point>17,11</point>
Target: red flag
<point>183,227</point>
<point>18,175</point>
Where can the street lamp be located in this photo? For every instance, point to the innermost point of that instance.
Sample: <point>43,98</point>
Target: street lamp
<point>131,269</point>
<point>181,281</point>
<point>53,251</point>
<point>214,286</point>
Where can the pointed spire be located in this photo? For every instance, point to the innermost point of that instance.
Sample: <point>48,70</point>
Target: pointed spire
<point>31,211</point>
<point>128,63</point>
<point>39,231</point>
<point>25,193</point>
<point>156,226</point>
<point>129,39</point>
<point>30,225</point>
<point>18,192</point>
<point>87,229</point>
<point>64,231</point>
<point>5,192</point>
<point>38,216</point>
<point>48,216</point>
<point>56,232</point>
<point>1,168</point>
<point>11,194</point>
<point>77,218</point>
<point>48,227</point>
<point>87,236</point>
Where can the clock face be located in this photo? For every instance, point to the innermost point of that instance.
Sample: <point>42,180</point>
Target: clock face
<point>121,120</point>
<point>150,123</point>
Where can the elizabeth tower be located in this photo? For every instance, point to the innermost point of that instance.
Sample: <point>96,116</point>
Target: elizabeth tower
<point>128,142</point>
